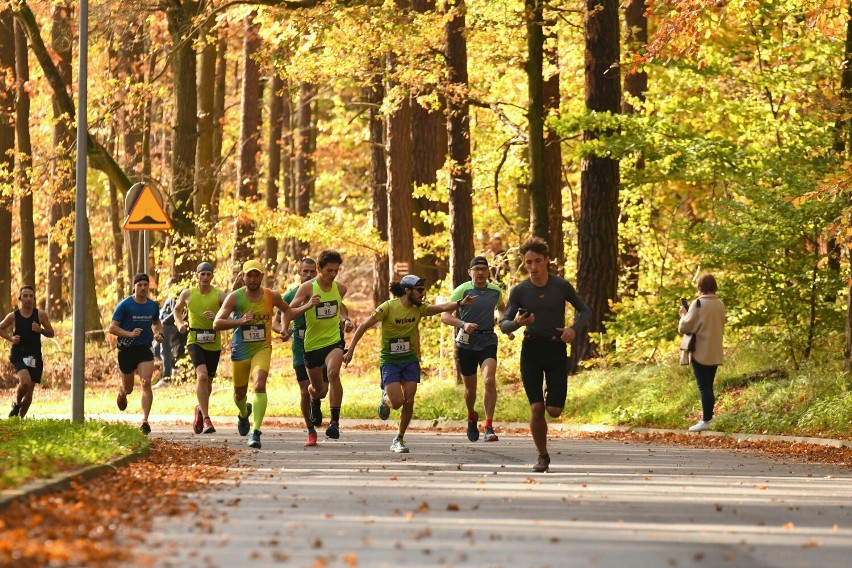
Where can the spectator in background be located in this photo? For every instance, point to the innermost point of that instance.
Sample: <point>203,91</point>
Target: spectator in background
<point>174,343</point>
<point>705,318</point>
<point>498,261</point>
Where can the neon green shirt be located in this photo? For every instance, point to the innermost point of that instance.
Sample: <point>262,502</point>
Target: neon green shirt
<point>400,331</point>
<point>200,328</point>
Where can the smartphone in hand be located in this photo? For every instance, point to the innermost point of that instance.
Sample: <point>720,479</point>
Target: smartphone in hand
<point>684,303</point>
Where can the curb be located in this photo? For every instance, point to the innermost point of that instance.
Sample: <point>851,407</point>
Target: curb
<point>63,480</point>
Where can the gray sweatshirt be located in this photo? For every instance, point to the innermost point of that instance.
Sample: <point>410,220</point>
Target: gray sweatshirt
<point>547,304</point>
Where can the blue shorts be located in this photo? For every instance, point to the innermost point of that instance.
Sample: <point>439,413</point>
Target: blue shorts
<point>403,372</point>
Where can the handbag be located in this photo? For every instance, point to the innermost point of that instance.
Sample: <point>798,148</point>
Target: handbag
<point>687,343</point>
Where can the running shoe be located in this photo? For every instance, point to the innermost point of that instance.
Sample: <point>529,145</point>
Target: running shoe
<point>398,446</point>
<point>543,464</point>
<point>16,410</point>
<point>490,435</point>
<point>333,431</point>
<point>384,409</point>
<point>208,427</point>
<point>700,426</point>
<point>316,412</point>
<point>254,439</point>
<point>472,430</point>
<point>312,439</point>
<point>198,423</point>
<point>121,401</point>
<point>145,427</point>
<point>243,423</point>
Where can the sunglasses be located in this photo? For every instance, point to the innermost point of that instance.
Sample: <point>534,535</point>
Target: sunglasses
<point>420,289</point>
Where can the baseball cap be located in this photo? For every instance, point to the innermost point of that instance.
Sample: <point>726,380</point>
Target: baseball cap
<point>204,267</point>
<point>479,261</point>
<point>250,265</point>
<point>141,277</point>
<point>412,281</point>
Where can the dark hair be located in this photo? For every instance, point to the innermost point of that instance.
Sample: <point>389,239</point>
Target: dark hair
<point>307,260</point>
<point>536,245</point>
<point>26,287</point>
<point>397,289</point>
<point>707,284</point>
<point>329,257</point>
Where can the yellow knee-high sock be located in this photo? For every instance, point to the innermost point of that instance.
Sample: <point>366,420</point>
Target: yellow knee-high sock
<point>258,408</point>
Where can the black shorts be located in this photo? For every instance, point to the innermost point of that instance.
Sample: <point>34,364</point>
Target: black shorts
<point>316,358</point>
<point>545,361</point>
<point>35,372</point>
<point>201,356</point>
<point>469,359</point>
<point>129,357</point>
<point>302,373</point>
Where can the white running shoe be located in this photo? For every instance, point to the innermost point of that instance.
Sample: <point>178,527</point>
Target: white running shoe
<point>700,426</point>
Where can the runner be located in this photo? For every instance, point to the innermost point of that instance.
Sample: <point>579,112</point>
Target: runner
<point>307,271</point>
<point>204,344</point>
<point>539,304</point>
<point>253,307</point>
<point>400,354</point>
<point>133,321</point>
<point>323,341</point>
<point>476,343</point>
<point>29,325</point>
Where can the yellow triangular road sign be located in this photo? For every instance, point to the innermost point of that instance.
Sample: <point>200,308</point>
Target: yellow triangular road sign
<point>147,214</point>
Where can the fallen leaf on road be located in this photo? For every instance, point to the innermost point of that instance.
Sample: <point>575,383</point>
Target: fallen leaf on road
<point>788,526</point>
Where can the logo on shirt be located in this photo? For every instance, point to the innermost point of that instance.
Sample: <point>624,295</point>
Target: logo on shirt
<point>401,321</point>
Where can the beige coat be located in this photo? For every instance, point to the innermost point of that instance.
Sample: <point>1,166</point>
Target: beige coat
<point>708,323</point>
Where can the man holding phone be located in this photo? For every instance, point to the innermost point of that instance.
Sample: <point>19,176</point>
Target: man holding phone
<point>538,303</point>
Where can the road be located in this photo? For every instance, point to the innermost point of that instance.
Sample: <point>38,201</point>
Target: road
<point>450,502</point>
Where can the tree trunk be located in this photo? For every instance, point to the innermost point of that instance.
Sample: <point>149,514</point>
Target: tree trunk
<point>539,223</point>
<point>184,128</point>
<point>378,185</point>
<point>846,136</point>
<point>597,273</point>
<point>205,166</point>
<point>273,152</point>
<point>552,153</point>
<point>635,86</point>
<point>458,143</point>
<point>304,167</point>
<point>247,177</point>
<point>399,186</point>
<point>62,170</point>
<point>25,157</point>
<point>7,153</point>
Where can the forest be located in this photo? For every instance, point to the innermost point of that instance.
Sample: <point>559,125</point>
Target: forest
<point>647,141</point>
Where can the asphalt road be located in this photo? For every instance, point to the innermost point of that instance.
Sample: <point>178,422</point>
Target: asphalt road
<point>352,502</point>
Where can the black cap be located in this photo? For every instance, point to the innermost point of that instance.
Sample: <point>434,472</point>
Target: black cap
<point>140,277</point>
<point>478,261</point>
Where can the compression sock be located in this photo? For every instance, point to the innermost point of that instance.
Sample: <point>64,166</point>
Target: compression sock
<point>312,430</point>
<point>472,415</point>
<point>241,406</point>
<point>487,423</point>
<point>335,414</point>
<point>258,407</point>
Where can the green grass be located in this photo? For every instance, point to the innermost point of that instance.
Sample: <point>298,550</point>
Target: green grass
<point>32,449</point>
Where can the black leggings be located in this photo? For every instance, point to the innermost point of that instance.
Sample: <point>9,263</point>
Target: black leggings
<point>704,376</point>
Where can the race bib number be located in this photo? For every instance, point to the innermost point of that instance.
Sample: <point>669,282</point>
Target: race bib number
<point>30,362</point>
<point>463,337</point>
<point>400,345</point>
<point>206,336</point>
<point>253,333</point>
<point>327,310</point>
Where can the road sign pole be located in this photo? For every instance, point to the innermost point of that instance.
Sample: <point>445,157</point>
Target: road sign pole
<point>81,245</point>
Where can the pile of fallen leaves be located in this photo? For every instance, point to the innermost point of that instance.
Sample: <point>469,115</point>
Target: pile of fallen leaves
<point>89,523</point>
<point>783,451</point>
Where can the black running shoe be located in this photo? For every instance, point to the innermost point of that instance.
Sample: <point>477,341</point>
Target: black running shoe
<point>332,431</point>
<point>543,464</point>
<point>16,410</point>
<point>243,425</point>
<point>146,428</point>
<point>254,439</point>
<point>472,429</point>
<point>316,412</point>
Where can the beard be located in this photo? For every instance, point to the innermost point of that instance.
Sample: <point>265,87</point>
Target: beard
<point>416,301</point>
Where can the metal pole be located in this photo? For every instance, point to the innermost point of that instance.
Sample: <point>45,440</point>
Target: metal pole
<point>81,246</point>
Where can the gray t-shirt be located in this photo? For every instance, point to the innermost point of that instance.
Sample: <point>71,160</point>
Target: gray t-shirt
<point>547,303</point>
<point>480,312</point>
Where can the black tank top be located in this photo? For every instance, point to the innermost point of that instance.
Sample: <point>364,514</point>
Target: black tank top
<point>30,341</point>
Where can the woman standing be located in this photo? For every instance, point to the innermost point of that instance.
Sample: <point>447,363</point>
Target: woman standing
<point>705,318</point>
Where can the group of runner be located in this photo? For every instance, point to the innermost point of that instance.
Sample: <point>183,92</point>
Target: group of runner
<point>314,318</point>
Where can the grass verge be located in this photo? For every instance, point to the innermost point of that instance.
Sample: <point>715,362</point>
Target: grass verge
<point>31,449</point>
